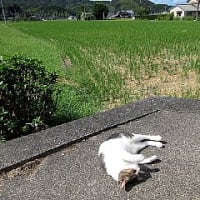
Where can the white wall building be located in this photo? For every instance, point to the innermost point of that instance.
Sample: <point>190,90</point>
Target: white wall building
<point>183,10</point>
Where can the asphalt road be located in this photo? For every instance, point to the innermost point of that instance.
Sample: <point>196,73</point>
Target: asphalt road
<point>75,173</point>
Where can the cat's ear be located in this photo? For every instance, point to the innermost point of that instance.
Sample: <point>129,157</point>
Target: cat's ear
<point>133,171</point>
<point>122,184</point>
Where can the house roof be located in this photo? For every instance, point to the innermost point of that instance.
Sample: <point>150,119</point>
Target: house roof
<point>186,7</point>
<point>192,1</point>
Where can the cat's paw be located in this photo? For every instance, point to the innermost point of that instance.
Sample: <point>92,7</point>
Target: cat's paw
<point>160,145</point>
<point>140,157</point>
<point>153,158</point>
<point>157,138</point>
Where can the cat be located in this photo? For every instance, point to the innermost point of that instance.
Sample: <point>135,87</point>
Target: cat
<point>120,155</point>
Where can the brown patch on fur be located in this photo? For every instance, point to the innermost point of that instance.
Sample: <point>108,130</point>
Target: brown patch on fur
<point>125,176</point>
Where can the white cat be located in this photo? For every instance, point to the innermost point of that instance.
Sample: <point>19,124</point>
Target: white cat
<point>120,156</point>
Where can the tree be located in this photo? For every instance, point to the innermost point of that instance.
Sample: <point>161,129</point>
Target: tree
<point>3,12</point>
<point>100,11</point>
<point>15,11</point>
<point>141,11</point>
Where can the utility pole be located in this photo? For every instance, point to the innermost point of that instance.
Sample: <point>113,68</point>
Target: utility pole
<point>197,11</point>
<point>3,13</point>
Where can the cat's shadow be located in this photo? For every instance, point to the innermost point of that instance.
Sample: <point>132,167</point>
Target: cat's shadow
<point>143,176</point>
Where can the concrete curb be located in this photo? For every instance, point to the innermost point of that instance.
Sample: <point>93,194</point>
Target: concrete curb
<point>17,152</point>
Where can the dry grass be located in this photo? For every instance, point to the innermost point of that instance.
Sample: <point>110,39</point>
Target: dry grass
<point>163,84</point>
<point>172,77</point>
<point>166,84</point>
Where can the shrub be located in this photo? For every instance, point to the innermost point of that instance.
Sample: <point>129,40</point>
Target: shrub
<point>165,17</point>
<point>189,18</point>
<point>27,96</point>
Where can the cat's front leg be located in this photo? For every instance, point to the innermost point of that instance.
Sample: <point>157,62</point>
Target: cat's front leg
<point>149,160</point>
<point>132,158</point>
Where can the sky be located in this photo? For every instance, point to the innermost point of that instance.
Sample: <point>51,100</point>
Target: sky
<point>169,2</point>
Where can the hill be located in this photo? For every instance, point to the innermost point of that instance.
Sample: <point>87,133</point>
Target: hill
<point>64,8</point>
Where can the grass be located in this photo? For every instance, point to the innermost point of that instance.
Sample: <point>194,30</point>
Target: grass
<point>103,64</point>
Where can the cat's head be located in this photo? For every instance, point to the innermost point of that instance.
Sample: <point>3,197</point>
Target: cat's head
<point>125,176</point>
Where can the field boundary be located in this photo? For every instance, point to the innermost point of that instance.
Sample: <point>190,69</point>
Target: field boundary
<point>18,152</point>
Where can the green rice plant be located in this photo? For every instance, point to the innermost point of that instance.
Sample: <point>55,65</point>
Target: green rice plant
<point>13,41</point>
<point>109,62</point>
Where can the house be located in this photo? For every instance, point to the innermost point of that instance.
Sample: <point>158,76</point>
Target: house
<point>184,10</point>
<point>121,14</point>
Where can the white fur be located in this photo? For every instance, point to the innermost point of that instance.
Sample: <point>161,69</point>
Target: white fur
<point>122,153</point>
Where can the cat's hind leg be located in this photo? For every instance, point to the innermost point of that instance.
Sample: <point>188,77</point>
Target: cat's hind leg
<point>154,144</point>
<point>139,146</point>
<point>140,137</point>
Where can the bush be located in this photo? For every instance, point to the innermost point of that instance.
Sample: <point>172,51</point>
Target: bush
<point>156,17</point>
<point>189,18</point>
<point>27,96</point>
<point>165,17</point>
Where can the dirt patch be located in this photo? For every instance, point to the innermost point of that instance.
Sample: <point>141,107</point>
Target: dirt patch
<point>66,62</point>
<point>27,169</point>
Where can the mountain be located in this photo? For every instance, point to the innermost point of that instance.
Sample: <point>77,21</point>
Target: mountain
<point>64,8</point>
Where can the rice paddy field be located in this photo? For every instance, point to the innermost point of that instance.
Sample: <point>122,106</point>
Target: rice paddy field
<point>104,64</point>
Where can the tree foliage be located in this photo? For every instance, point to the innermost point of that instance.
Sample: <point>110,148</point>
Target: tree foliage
<point>100,11</point>
<point>23,9</point>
